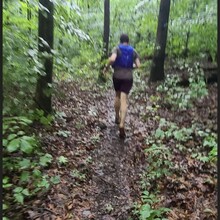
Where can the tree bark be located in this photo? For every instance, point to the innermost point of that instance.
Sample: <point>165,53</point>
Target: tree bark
<point>157,69</point>
<point>106,27</point>
<point>105,38</point>
<point>45,32</point>
<point>191,12</point>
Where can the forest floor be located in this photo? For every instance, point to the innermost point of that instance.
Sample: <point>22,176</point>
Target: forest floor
<point>103,175</point>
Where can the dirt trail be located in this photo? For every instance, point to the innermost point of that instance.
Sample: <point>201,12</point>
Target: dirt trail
<point>101,180</point>
<point>114,169</point>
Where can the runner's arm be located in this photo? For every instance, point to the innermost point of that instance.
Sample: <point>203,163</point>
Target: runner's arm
<point>111,60</point>
<point>137,63</point>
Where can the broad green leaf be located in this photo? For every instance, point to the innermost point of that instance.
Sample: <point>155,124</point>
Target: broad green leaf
<point>178,135</point>
<point>44,120</point>
<point>5,142</point>
<point>145,212</point>
<point>204,159</point>
<point>25,192</point>
<point>162,121</point>
<point>5,206</point>
<point>25,176</point>
<point>21,133</point>
<point>55,179</point>
<point>28,138</point>
<point>14,128</point>
<point>37,173</point>
<point>13,145</point>
<point>62,160</point>
<point>18,189</point>
<point>43,183</point>
<point>26,146</point>
<point>5,127</point>
<point>7,185</point>
<point>213,152</point>
<point>11,136</point>
<point>5,180</point>
<point>19,198</point>
<point>44,160</point>
<point>25,120</point>
<point>159,133</point>
<point>25,163</point>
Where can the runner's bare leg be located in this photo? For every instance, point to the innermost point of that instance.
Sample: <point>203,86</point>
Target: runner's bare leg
<point>123,109</point>
<point>117,107</point>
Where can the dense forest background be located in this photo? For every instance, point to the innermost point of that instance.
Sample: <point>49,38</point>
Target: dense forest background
<point>74,55</point>
<point>78,39</point>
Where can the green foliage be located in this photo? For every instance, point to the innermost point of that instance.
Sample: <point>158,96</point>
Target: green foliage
<point>196,20</point>
<point>159,158</point>
<point>139,85</point>
<point>38,115</point>
<point>78,31</point>
<point>209,143</point>
<point>22,163</point>
<point>78,175</point>
<point>45,160</point>
<point>14,138</point>
<point>146,210</point>
<point>180,97</point>
<point>77,53</point>
<point>19,194</point>
<point>62,160</point>
<point>95,138</point>
<point>169,130</point>
<point>55,179</point>
<point>18,67</point>
<point>64,133</point>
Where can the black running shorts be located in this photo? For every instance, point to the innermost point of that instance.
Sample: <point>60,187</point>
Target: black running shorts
<point>122,85</point>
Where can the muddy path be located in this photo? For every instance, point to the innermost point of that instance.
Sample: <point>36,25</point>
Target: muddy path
<point>115,168</point>
<point>101,178</point>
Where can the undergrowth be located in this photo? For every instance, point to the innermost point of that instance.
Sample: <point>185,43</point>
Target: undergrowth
<point>159,150</point>
<point>23,164</point>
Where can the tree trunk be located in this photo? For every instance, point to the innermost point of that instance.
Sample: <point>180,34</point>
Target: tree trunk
<point>191,12</point>
<point>105,38</point>
<point>186,49</point>
<point>157,69</point>
<point>45,32</point>
<point>106,27</point>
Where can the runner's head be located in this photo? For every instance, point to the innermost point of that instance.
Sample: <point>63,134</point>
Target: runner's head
<point>124,38</point>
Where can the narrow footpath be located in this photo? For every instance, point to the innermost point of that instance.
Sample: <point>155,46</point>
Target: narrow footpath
<point>100,178</point>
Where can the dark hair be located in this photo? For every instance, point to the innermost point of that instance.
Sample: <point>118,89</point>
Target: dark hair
<point>124,38</point>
